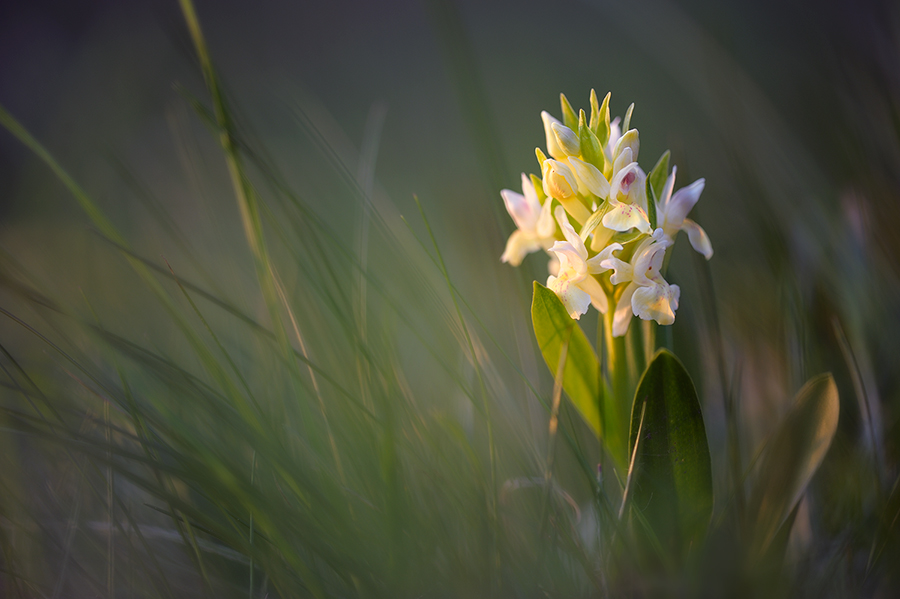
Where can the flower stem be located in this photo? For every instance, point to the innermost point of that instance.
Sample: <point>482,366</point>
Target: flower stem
<point>618,412</point>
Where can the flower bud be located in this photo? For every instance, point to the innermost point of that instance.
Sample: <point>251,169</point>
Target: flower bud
<point>559,180</point>
<point>566,139</point>
<point>552,145</point>
<point>629,140</point>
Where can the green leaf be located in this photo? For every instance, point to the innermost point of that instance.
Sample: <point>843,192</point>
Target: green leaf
<point>627,236</point>
<point>602,123</point>
<point>591,150</point>
<point>652,198</point>
<point>659,174</point>
<point>626,124</point>
<point>595,112</point>
<point>568,114</point>
<point>538,187</point>
<point>792,456</point>
<point>672,472</point>
<point>581,376</point>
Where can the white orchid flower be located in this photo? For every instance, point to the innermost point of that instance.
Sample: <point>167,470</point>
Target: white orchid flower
<point>536,229</point>
<point>627,196</point>
<point>672,211</point>
<point>574,282</point>
<point>648,296</point>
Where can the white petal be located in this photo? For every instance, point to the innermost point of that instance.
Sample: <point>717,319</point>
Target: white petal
<point>529,192</point>
<point>569,232</point>
<point>595,265</point>
<point>552,146</point>
<point>622,271</point>
<point>546,226</point>
<point>572,264</point>
<point>647,261</point>
<point>574,299</point>
<point>615,132</point>
<point>518,209</point>
<point>656,302</point>
<point>622,160</point>
<point>595,290</point>
<point>698,238</point>
<point>624,178</point>
<point>622,317</point>
<point>592,178</point>
<point>629,140</point>
<point>518,246</point>
<point>680,204</point>
<point>623,217</point>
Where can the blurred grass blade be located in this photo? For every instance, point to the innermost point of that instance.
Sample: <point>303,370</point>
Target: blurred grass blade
<point>885,535</point>
<point>553,327</point>
<point>673,475</point>
<point>792,457</point>
<point>464,71</point>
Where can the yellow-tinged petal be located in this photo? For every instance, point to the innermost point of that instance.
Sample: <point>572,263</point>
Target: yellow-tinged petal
<point>518,246</point>
<point>656,302</point>
<point>559,180</point>
<point>575,300</point>
<point>569,233</point>
<point>552,145</point>
<point>566,139</point>
<point>622,315</point>
<point>625,158</point>
<point>629,140</point>
<point>592,178</point>
<point>598,296</point>
<point>624,217</point>
<point>602,236</point>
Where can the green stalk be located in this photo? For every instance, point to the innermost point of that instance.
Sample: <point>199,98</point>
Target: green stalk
<point>615,355</point>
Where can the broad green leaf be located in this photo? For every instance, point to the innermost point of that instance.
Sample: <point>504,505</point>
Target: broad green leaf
<point>659,174</point>
<point>581,375</point>
<point>792,456</point>
<point>672,484</point>
<point>591,150</point>
<point>569,119</point>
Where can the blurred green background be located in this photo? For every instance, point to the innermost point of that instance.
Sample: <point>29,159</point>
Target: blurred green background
<point>788,109</point>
